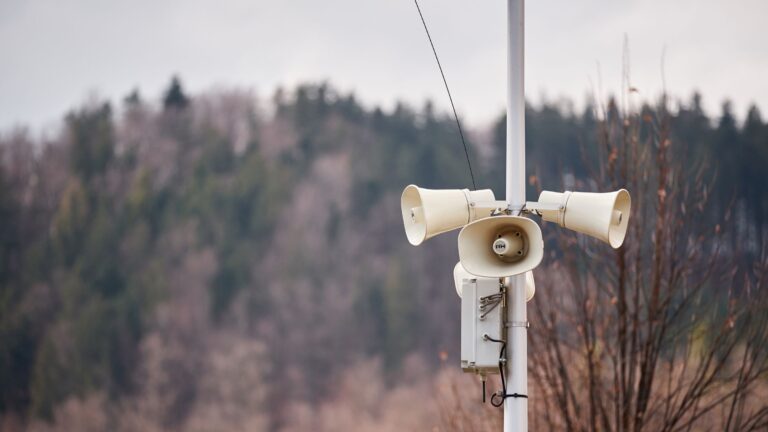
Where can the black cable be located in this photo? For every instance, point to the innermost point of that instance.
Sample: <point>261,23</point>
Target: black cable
<point>503,395</point>
<point>501,372</point>
<point>503,381</point>
<point>439,66</point>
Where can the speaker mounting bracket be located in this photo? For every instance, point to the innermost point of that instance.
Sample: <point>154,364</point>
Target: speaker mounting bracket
<point>532,206</point>
<point>492,205</point>
<point>498,207</point>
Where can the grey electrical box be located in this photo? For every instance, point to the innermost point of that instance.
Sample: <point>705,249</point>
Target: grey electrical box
<point>481,315</point>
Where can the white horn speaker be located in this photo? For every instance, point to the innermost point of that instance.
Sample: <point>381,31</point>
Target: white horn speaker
<point>604,216</point>
<point>428,212</point>
<point>501,246</point>
<point>460,274</point>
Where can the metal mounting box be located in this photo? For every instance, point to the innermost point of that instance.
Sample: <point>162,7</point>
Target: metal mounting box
<point>479,355</point>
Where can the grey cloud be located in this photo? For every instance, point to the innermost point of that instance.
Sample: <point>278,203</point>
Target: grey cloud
<point>55,53</point>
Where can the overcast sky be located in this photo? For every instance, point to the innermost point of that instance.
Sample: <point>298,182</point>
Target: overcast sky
<point>54,54</point>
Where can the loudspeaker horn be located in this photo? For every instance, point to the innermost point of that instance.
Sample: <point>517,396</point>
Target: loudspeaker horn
<point>500,246</point>
<point>460,274</point>
<point>604,216</point>
<point>429,212</point>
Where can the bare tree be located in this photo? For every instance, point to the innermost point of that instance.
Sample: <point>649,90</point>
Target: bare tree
<point>666,333</point>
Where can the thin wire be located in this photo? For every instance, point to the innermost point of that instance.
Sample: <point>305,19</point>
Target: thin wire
<point>503,394</point>
<point>489,303</point>
<point>439,66</point>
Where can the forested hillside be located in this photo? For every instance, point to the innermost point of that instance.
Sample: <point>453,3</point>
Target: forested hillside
<point>223,261</point>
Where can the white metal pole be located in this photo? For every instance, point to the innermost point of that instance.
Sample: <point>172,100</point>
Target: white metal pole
<point>516,408</point>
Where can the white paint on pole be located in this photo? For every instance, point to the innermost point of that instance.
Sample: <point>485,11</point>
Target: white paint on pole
<point>515,103</point>
<point>516,408</point>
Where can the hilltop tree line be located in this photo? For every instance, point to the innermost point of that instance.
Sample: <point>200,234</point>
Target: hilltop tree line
<point>145,239</point>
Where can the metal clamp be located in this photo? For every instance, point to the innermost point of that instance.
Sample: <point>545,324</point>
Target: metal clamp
<point>470,205</point>
<point>525,324</point>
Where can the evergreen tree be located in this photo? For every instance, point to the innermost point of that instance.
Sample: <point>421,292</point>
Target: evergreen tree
<point>92,135</point>
<point>133,99</point>
<point>754,175</point>
<point>175,98</point>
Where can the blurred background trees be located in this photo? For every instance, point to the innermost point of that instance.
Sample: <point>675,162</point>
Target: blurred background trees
<point>224,262</point>
<point>669,332</point>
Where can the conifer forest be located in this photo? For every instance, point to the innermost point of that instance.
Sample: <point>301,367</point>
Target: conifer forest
<point>227,261</point>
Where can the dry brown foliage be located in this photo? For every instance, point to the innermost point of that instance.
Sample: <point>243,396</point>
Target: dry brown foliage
<point>666,333</point>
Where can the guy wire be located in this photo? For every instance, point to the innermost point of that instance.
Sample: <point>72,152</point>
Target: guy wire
<point>450,98</point>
